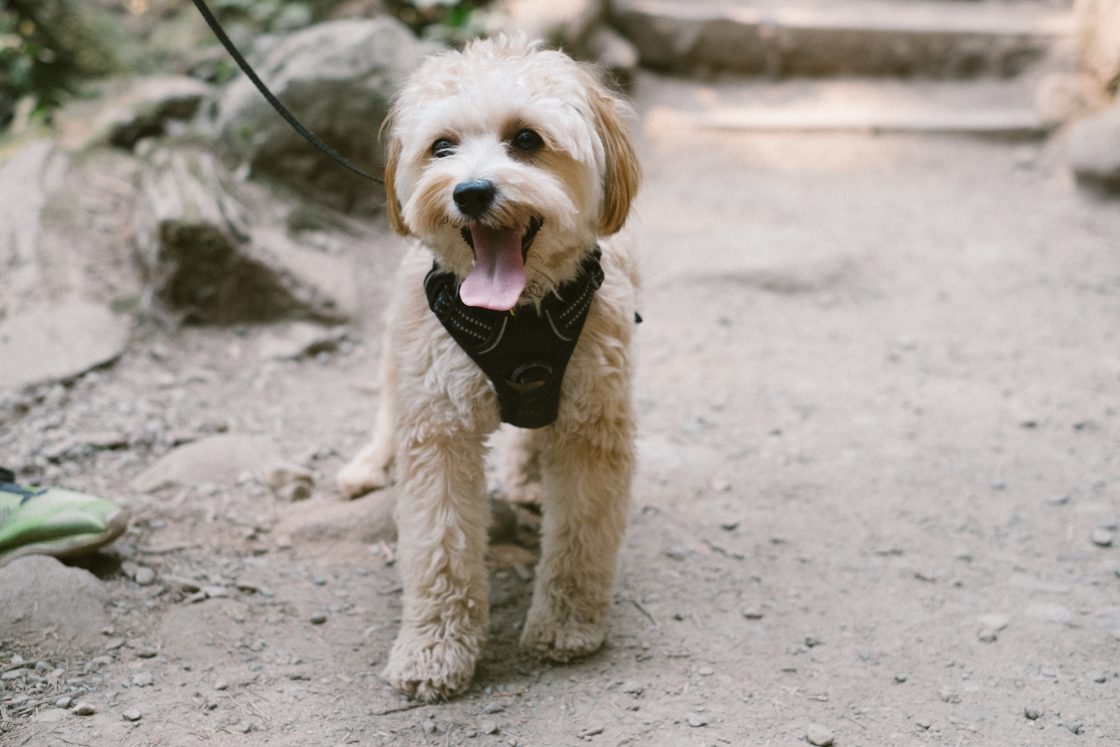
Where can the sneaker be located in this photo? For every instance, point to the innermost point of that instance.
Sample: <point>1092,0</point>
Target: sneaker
<point>53,521</point>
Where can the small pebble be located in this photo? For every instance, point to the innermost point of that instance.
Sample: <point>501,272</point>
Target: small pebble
<point>591,732</point>
<point>752,613</point>
<point>318,618</point>
<point>1073,726</point>
<point>64,702</point>
<point>1099,677</point>
<point>429,727</point>
<point>493,707</point>
<point>84,709</point>
<point>705,671</point>
<point>900,678</point>
<point>812,641</point>
<point>488,727</point>
<point>923,723</point>
<point>221,685</point>
<point>1032,713</point>
<point>1101,538</point>
<point>142,679</point>
<point>818,735</point>
<point>132,714</point>
<point>948,695</point>
<point>144,576</point>
<point>697,719</point>
<point>632,688</point>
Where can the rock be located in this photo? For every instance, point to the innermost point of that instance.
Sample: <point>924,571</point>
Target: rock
<point>338,78</point>
<point>144,576</point>
<point>753,612</point>
<point>289,482</point>
<point>142,679</point>
<point>84,709</point>
<point>50,715</point>
<point>1102,537</point>
<point>488,727</point>
<point>1050,612</point>
<point>367,520</point>
<point>1032,713</point>
<point>696,720</point>
<point>830,39</point>
<point>132,714</point>
<point>615,54</point>
<point>298,340</point>
<point>59,342</point>
<point>992,624</point>
<point>633,688</point>
<point>27,176</point>
<point>217,252</point>
<point>1093,150</point>
<point>218,460</point>
<point>58,609</point>
<point>568,25</point>
<point>949,695</point>
<point>129,109</point>
<point>317,618</point>
<point>818,735</point>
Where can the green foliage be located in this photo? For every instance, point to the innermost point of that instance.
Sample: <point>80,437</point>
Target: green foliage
<point>449,21</point>
<point>45,45</point>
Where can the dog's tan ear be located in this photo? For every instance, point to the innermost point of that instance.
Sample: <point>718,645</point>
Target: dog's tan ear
<point>392,158</point>
<point>620,182</point>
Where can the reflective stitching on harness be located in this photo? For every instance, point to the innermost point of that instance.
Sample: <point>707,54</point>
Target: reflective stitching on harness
<point>524,354</point>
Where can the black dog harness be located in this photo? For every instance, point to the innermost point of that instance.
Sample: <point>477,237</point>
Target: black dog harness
<point>524,352</point>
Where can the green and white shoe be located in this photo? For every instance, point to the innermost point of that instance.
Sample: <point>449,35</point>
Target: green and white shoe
<point>52,521</point>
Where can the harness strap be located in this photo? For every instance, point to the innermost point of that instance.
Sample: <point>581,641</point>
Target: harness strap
<point>525,351</point>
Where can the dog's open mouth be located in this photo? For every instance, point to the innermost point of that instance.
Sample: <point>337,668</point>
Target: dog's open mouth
<point>498,276</point>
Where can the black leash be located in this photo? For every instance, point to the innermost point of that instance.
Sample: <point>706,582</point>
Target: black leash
<point>282,110</point>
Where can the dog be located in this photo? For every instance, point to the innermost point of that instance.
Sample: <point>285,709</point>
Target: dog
<point>510,165</point>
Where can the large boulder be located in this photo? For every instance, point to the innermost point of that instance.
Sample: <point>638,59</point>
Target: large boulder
<point>218,251</point>
<point>338,79</point>
<point>59,342</point>
<point>50,607</point>
<point>1093,150</point>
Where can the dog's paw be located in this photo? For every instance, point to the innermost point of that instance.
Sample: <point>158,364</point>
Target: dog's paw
<point>562,639</point>
<point>363,475</point>
<point>431,671</point>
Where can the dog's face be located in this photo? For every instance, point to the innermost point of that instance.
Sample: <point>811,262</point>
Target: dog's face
<point>508,162</point>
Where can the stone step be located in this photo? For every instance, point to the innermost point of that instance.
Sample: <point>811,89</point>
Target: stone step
<point>779,38</point>
<point>985,107</point>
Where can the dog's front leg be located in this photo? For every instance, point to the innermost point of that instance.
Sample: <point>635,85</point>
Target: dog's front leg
<point>586,492</point>
<point>442,519</point>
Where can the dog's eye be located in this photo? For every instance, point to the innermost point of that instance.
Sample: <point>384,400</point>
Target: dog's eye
<point>527,140</point>
<point>442,148</point>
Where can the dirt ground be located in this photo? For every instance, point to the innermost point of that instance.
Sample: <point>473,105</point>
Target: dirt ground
<point>879,397</point>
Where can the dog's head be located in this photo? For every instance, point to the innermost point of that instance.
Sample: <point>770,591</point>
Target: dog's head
<point>508,161</point>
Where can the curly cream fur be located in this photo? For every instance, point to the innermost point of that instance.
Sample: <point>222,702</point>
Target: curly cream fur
<point>439,408</point>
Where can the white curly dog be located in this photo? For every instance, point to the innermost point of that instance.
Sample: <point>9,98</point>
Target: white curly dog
<point>509,165</point>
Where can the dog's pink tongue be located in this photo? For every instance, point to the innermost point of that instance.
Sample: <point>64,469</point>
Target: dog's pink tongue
<point>498,276</point>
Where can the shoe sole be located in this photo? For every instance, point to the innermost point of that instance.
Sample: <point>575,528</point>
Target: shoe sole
<point>69,547</point>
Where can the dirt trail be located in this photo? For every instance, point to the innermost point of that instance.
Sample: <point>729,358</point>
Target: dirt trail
<point>879,394</point>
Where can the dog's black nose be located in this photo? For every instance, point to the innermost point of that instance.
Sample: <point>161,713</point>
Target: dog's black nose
<point>474,197</point>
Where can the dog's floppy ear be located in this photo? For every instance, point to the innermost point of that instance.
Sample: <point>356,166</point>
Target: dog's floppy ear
<point>620,181</point>
<point>392,158</point>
